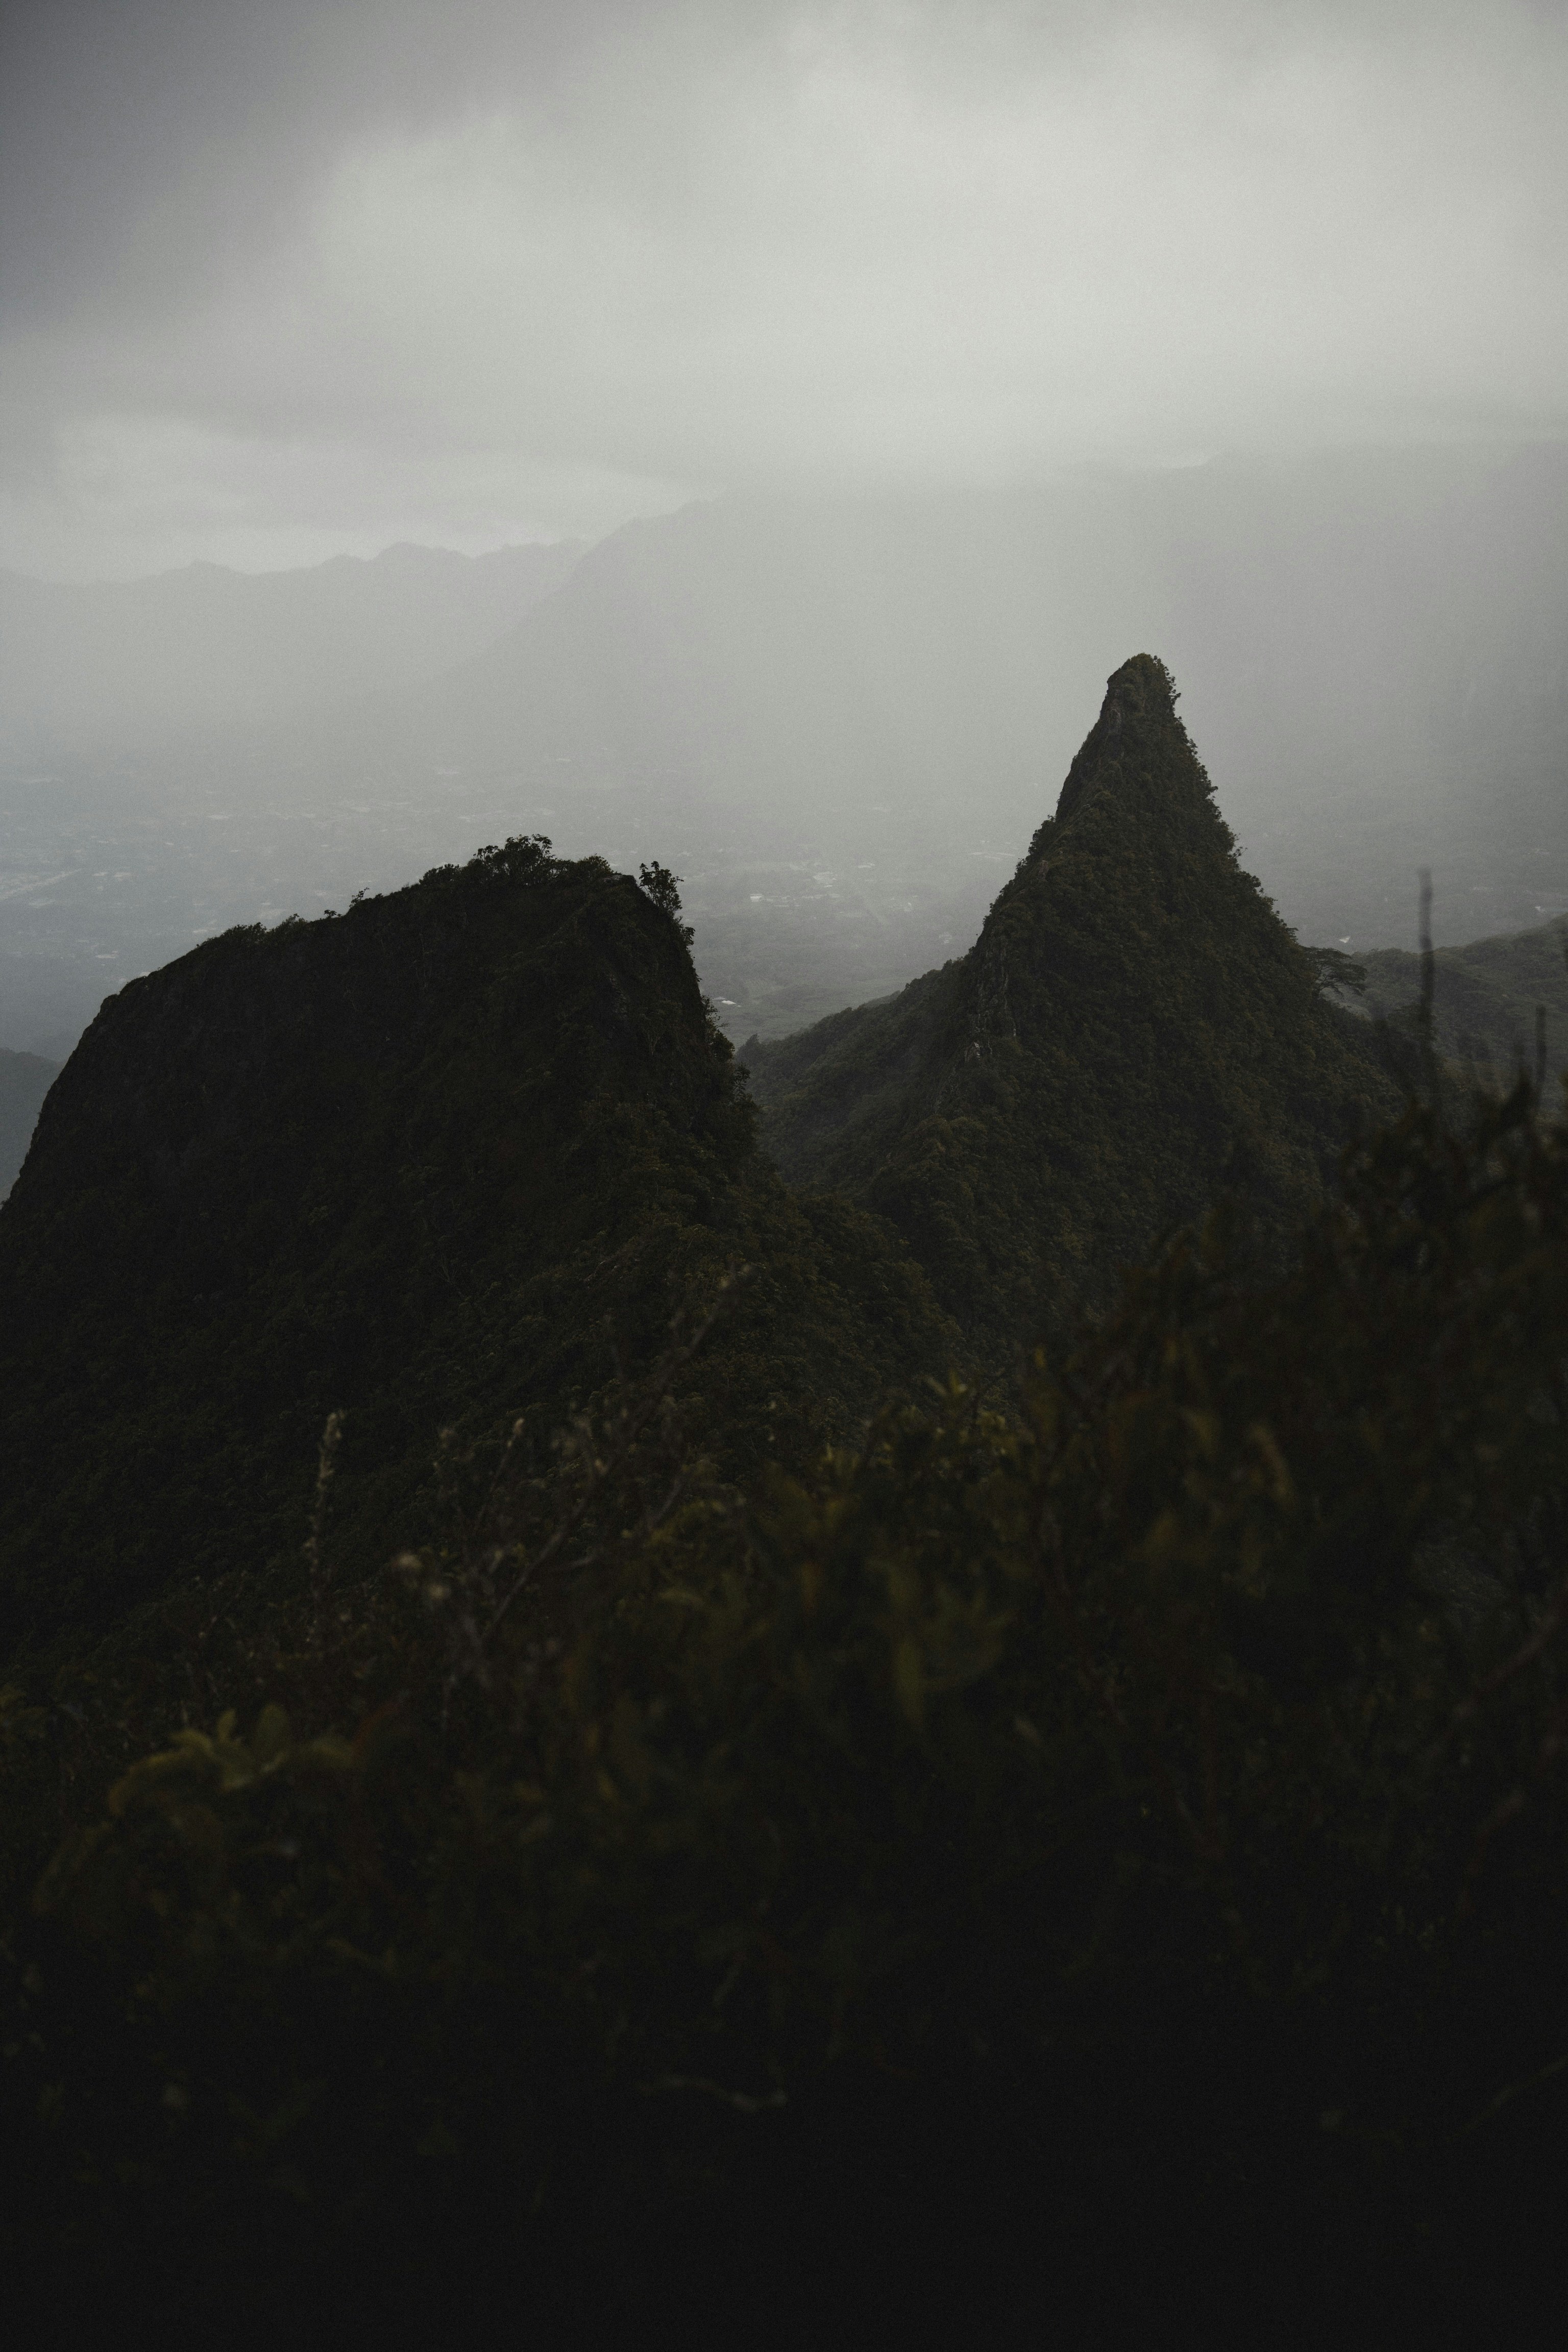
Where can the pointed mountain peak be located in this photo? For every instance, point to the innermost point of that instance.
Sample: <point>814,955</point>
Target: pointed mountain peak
<point>1134,1034</point>
<point>1137,721</point>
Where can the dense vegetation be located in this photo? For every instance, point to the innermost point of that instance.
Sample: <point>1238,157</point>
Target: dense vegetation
<point>1114,1850</point>
<point>1134,1032</point>
<point>447,1159</point>
<point>1084,1856</point>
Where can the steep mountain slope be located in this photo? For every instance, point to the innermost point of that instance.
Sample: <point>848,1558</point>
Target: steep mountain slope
<point>1134,1033</point>
<point>25,1080</point>
<point>451,1157</point>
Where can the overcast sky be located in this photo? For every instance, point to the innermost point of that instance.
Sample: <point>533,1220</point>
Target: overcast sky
<point>283,278</point>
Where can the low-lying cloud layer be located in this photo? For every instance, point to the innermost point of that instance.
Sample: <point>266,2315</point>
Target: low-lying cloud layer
<point>286,281</point>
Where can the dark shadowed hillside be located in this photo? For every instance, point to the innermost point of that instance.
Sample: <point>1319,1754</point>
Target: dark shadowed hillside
<point>1106,1860</point>
<point>459,1153</point>
<point>1134,1034</point>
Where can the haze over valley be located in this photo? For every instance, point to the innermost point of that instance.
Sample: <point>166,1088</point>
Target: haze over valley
<point>903,373</point>
<point>837,718</point>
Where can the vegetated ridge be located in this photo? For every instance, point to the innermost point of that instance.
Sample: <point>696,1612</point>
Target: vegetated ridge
<point>1134,1034</point>
<point>450,1157</point>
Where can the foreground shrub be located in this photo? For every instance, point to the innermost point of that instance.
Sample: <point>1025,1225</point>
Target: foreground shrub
<point>1114,1846</point>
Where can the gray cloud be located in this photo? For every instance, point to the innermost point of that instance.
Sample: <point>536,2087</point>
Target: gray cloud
<point>284,280</point>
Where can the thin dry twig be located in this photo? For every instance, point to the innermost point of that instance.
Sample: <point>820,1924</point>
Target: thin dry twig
<point>332,1437</point>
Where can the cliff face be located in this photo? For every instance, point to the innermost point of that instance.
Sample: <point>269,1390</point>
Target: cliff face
<point>450,1156</point>
<point>1134,1034</point>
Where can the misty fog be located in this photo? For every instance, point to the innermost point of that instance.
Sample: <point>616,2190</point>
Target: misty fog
<point>840,719</point>
<point>749,437</point>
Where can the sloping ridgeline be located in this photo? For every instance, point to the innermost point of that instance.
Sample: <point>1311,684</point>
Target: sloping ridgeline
<point>451,1156</point>
<point>1485,997</point>
<point>1134,1034</point>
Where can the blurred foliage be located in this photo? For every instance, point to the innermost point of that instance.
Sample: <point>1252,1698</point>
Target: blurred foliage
<point>1115,1848</point>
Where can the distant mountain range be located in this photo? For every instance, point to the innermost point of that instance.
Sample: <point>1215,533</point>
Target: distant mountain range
<point>116,671</point>
<point>833,717</point>
<point>1374,649</point>
<point>1495,1001</point>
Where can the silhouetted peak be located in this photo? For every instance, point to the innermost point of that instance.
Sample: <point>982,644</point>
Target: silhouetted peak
<point>1139,696</point>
